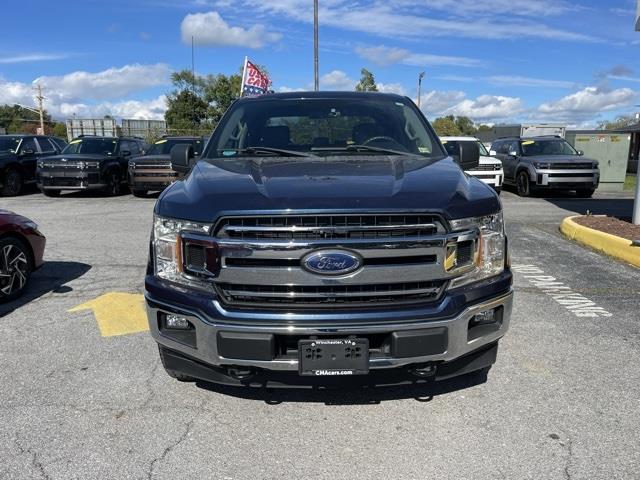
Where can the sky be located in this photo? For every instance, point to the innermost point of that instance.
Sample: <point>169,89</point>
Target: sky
<point>495,61</point>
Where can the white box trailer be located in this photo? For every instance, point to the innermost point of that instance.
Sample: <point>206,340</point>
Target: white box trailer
<point>529,130</point>
<point>104,127</point>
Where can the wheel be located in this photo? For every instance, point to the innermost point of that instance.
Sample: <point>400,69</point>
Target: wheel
<point>113,183</point>
<point>15,268</point>
<point>587,193</point>
<point>50,193</point>
<point>523,185</point>
<point>181,377</point>
<point>12,183</point>
<point>139,193</point>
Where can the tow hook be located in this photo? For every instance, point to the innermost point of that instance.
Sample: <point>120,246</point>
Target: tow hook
<point>240,373</point>
<point>423,371</point>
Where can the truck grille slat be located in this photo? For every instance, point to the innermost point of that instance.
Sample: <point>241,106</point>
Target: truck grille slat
<point>330,295</point>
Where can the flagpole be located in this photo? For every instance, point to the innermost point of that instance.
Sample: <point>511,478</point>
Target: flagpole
<point>244,73</point>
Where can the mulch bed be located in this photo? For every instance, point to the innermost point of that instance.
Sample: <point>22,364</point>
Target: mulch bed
<point>611,225</point>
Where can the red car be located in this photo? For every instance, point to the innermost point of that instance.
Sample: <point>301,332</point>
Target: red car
<point>21,251</point>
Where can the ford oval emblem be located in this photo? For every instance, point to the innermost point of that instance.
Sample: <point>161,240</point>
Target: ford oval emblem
<point>331,262</point>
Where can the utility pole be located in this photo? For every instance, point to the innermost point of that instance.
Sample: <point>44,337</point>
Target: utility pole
<point>316,78</point>
<point>636,203</point>
<point>40,98</point>
<point>420,77</point>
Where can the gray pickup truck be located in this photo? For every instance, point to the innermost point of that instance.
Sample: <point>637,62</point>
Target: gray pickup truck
<point>544,163</point>
<point>323,236</point>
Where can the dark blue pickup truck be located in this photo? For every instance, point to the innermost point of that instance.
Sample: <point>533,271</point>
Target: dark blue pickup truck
<point>327,235</point>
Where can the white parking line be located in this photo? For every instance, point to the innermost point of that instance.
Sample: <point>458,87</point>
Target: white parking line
<point>574,302</point>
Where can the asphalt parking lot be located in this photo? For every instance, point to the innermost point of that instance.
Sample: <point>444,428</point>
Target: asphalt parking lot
<point>561,402</point>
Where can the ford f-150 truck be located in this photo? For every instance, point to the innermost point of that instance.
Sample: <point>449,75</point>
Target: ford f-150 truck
<point>325,235</point>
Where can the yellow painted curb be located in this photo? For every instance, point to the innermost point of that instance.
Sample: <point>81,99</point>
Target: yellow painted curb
<point>612,245</point>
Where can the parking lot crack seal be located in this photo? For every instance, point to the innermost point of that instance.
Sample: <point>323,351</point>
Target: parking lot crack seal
<point>170,448</point>
<point>569,448</point>
<point>37,464</point>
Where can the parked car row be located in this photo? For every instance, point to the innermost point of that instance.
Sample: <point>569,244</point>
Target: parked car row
<point>88,163</point>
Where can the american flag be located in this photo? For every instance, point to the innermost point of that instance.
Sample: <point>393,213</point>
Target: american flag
<point>254,82</point>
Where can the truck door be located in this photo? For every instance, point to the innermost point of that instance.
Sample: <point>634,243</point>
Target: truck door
<point>28,157</point>
<point>509,160</point>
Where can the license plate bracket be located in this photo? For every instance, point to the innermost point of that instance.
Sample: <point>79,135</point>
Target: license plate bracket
<point>333,357</point>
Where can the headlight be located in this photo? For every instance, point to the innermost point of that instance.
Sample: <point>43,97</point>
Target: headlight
<point>541,165</point>
<point>40,163</point>
<point>491,249</point>
<point>31,224</point>
<point>167,250</point>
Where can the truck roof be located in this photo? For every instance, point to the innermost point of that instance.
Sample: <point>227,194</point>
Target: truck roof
<point>303,95</point>
<point>460,139</point>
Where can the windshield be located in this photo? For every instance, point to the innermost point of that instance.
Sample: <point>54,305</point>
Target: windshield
<point>9,144</point>
<point>98,146</point>
<point>452,147</point>
<point>323,126</point>
<point>164,146</point>
<point>535,148</point>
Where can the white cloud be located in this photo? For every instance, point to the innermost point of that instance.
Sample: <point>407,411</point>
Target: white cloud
<point>337,80</point>
<point>383,56</point>
<point>488,107</point>
<point>107,84</point>
<point>94,94</point>
<point>529,8</point>
<point>435,103</point>
<point>211,29</point>
<point>391,88</point>
<point>33,57</point>
<point>588,102</point>
<point>517,81</point>
<point>414,19</point>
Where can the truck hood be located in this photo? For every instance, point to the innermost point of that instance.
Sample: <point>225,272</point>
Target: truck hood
<point>561,159</point>
<point>221,186</point>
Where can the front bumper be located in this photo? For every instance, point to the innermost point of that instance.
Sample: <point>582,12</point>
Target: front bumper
<point>70,180</point>
<point>567,178</point>
<point>493,178</point>
<point>204,343</point>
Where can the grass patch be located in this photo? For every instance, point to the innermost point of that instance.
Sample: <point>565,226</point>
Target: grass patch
<point>630,182</point>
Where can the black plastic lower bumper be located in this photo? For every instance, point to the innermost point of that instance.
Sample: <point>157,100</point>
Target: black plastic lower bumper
<point>477,360</point>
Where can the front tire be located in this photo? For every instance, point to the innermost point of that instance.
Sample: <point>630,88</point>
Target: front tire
<point>181,377</point>
<point>12,183</point>
<point>15,268</point>
<point>139,193</point>
<point>523,184</point>
<point>113,183</point>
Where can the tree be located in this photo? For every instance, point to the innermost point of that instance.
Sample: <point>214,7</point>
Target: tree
<point>16,119</point>
<point>446,126</point>
<point>620,122</point>
<point>465,125</point>
<point>219,92</point>
<point>187,110</point>
<point>59,130</point>
<point>367,82</point>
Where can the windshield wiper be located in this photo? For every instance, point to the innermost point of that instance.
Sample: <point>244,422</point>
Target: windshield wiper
<point>269,150</point>
<point>362,148</point>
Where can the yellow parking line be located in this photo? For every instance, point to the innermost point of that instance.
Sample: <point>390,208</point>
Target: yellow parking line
<point>117,313</point>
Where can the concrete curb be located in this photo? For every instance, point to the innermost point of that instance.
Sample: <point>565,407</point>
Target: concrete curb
<point>611,245</point>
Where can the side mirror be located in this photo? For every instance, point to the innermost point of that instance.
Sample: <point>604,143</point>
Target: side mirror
<point>580,152</point>
<point>513,153</point>
<point>493,153</point>
<point>182,158</point>
<point>469,155</point>
<point>27,151</point>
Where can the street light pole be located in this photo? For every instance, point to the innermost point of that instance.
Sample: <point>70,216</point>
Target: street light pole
<point>420,77</point>
<point>316,78</point>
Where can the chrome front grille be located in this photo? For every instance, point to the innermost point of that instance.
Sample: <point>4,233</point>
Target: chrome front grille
<point>331,295</point>
<point>488,167</point>
<point>331,227</point>
<point>402,259</point>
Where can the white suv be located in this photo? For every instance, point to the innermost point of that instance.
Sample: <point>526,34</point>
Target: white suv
<point>490,168</point>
